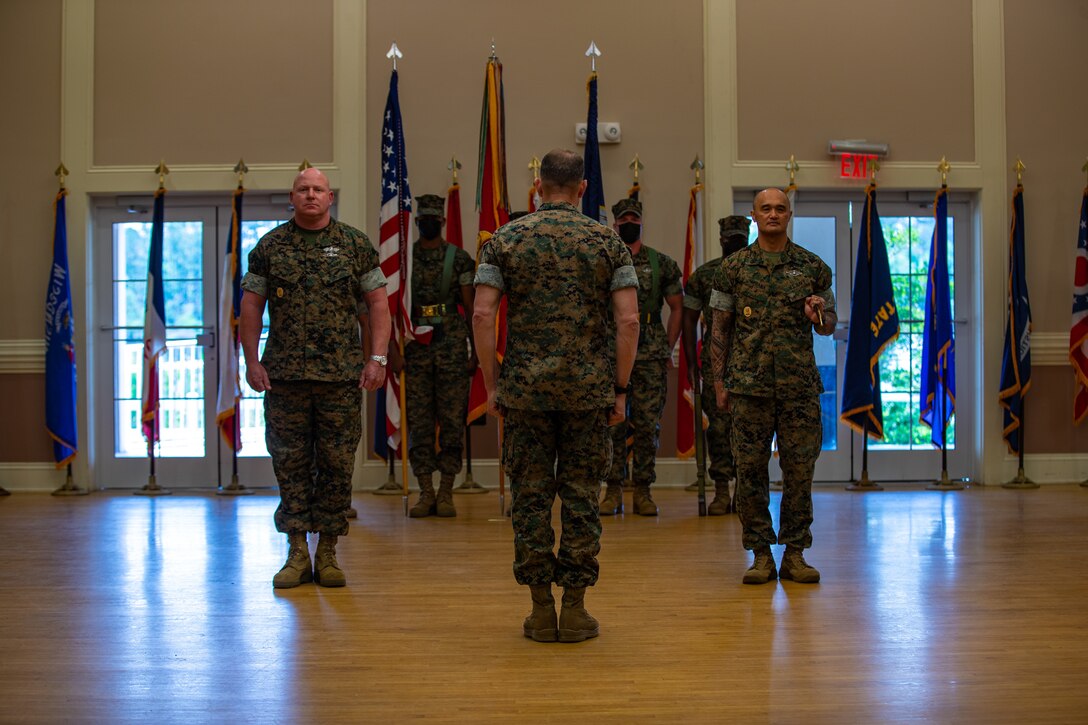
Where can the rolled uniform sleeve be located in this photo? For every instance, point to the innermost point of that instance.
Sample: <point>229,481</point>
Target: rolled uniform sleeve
<point>623,277</point>
<point>488,272</point>
<point>722,301</point>
<point>256,279</point>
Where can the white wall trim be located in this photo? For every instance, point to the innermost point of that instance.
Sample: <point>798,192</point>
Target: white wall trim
<point>22,356</point>
<point>37,477</point>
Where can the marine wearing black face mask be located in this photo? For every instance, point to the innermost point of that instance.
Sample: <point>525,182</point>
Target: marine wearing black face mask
<point>630,232</point>
<point>429,227</point>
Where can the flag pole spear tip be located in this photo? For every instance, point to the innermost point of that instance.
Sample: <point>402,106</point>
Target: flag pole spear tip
<point>534,164</point>
<point>593,52</point>
<point>60,173</point>
<point>241,169</point>
<point>305,165</point>
<point>944,167</point>
<point>1019,171</point>
<point>698,165</point>
<point>394,53</point>
<point>453,166</point>
<point>635,165</point>
<point>792,167</point>
<point>494,56</point>
<point>874,166</point>
<point>162,170</point>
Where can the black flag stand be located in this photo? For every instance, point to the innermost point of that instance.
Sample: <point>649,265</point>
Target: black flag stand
<point>69,488</point>
<point>469,485</point>
<point>944,483</point>
<point>1021,481</point>
<point>864,483</point>
<point>4,491</point>
<point>152,487</point>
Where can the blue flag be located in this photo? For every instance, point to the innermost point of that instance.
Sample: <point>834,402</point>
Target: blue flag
<point>1016,363</point>
<point>60,351</point>
<point>874,324</point>
<point>937,397</point>
<point>593,200</point>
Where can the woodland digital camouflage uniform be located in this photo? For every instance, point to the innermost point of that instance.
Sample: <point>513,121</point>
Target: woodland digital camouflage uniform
<point>774,385</point>
<point>315,284</point>
<point>648,377</point>
<point>558,269</point>
<point>697,297</point>
<point>437,378</point>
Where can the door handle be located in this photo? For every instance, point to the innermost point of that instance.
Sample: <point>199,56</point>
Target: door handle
<point>206,339</point>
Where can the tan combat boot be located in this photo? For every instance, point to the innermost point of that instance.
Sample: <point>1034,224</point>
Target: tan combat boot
<point>721,505</point>
<point>575,623</point>
<point>327,572</point>
<point>612,503</point>
<point>426,504</point>
<point>297,569</point>
<point>444,502</point>
<point>542,625</point>
<point>644,503</point>
<point>795,568</point>
<point>762,569</point>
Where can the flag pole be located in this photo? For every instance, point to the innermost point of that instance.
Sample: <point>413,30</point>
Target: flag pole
<point>944,483</point>
<point>152,487</point>
<point>865,483</point>
<point>502,474</point>
<point>68,488</point>
<point>1021,481</point>
<point>235,488</point>
<point>1085,170</point>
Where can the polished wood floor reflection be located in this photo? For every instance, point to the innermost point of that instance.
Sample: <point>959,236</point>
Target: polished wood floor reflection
<point>934,607</point>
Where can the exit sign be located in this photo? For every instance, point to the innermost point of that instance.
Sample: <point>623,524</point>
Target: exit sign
<point>855,166</point>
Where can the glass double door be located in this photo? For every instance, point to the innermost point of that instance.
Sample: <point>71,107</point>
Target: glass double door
<point>828,226</point>
<point>191,452</point>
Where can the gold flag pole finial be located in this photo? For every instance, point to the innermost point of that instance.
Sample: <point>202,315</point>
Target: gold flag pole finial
<point>943,168</point>
<point>241,169</point>
<point>593,53</point>
<point>60,173</point>
<point>305,165</point>
<point>453,166</point>
<point>1019,172</point>
<point>162,170</point>
<point>698,166</point>
<point>534,164</point>
<point>394,53</point>
<point>493,55</point>
<point>874,166</point>
<point>636,165</point>
<point>792,168</point>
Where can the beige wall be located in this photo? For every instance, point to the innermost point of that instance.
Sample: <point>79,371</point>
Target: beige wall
<point>207,82</point>
<point>1046,62</point>
<point>809,72</point>
<point>216,93</point>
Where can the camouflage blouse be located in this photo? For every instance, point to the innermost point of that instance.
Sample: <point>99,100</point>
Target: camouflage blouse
<point>315,283</point>
<point>558,269</point>
<point>771,352</point>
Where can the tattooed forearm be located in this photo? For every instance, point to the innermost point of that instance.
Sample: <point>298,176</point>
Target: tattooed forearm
<point>721,337</point>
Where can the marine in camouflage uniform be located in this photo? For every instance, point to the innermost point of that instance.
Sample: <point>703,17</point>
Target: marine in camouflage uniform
<point>561,273</point>
<point>733,237</point>
<point>648,380</point>
<point>438,373</point>
<point>768,298</point>
<point>318,276</point>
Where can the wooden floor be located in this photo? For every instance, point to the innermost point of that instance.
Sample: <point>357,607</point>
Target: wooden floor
<point>934,607</point>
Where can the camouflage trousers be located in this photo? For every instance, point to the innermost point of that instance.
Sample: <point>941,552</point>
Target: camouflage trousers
<point>549,453</point>
<point>797,422</point>
<point>719,444</point>
<point>312,431</point>
<point>647,403</point>
<point>437,383</point>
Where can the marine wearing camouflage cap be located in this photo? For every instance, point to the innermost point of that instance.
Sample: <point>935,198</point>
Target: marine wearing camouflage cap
<point>430,205</point>
<point>734,225</point>
<point>627,206</point>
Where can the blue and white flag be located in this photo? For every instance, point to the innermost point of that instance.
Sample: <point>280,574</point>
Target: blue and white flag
<point>937,396</point>
<point>874,324</point>
<point>60,351</point>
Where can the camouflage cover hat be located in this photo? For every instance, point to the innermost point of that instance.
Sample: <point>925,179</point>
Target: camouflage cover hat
<point>734,225</point>
<point>627,206</point>
<point>430,205</point>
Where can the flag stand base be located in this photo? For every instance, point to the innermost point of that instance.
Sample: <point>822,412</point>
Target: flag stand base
<point>1021,481</point>
<point>4,491</point>
<point>469,485</point>
<point>864,483</point>
<point>70,488</point>
<point>693,486</point>
<point>1084,484</point>
<point>234,489</point>
<point>152,489</point>
<point>945,484</point>
<point>389,488</point>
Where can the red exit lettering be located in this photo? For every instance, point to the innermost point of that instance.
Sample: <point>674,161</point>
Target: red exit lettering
<point>855,166</point>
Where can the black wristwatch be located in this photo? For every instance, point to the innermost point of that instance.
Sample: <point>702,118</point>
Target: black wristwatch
<point>620,389</point>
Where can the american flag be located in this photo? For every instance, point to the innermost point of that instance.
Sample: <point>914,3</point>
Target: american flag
<point>693,258</point>
<point>395,248</point>
<point>1078,333</point>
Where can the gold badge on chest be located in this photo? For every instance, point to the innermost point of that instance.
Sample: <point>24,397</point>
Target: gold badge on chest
<point>747,311</point>
<point>279,291</point>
